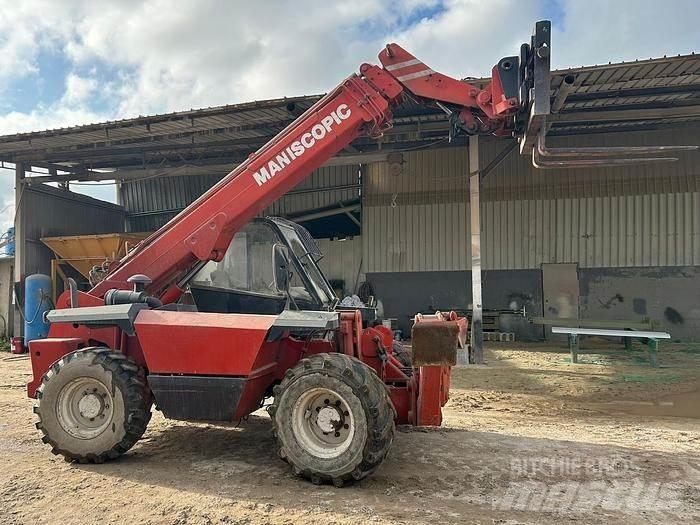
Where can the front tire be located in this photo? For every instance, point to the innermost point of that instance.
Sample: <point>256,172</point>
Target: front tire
<point>93,405</point>
<point>333,419</point>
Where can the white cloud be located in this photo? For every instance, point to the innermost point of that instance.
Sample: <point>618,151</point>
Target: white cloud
<point>202,53</point>
<point>55,116</point>
<point>600,31</point>
<point>471,36</point>
<point>24,33</point>
<point>78,89</point>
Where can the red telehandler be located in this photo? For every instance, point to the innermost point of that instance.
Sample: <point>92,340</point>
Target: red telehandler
<point>217,310</point>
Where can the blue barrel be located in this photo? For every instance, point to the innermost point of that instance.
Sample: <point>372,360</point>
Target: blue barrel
<point>10,248</point>
<point>37,301</point>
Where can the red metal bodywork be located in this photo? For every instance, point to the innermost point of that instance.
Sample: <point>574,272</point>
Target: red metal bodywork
<point>234,345</point>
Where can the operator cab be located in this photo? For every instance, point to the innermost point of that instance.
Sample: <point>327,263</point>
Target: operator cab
<point>245,280</point>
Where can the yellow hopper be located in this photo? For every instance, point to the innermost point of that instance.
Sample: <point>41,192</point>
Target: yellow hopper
<point>83,252</point>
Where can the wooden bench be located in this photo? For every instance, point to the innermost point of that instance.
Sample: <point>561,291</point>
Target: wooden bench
<point>652,339</point>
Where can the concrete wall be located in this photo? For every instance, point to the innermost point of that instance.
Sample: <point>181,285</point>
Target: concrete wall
<point>6,294</point>
<point>403,294</point>
<point>670,295</point>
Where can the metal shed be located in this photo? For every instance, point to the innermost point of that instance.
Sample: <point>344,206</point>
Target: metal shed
<point>628,232</point>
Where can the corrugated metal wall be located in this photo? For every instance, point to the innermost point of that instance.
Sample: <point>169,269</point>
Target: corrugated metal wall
<point>644,215</point>
<point>418,220</point>
<point>515,178</point>
<point>49,212</point>
<point>319,190</point>
<point>416,237</point>
<point>151,203</point>
<point>636,230</point>
<point>342,260</point>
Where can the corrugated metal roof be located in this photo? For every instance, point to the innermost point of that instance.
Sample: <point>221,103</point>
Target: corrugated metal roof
<point>226,133</point>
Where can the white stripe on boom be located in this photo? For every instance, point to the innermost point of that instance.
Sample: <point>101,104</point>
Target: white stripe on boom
<point>401,65</point>
<point>411,76</point>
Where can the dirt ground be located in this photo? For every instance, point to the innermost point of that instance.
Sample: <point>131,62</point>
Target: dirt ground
<point>528,438</point>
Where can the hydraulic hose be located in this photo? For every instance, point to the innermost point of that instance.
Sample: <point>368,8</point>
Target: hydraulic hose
<point>116,296</point>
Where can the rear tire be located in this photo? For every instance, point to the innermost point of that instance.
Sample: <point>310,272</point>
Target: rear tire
<point>333,419</point>
<point>93,405</point>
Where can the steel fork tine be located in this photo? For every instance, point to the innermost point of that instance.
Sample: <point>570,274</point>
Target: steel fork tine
<point>547,163</point>
<point>587,157</point>
<point>543,151</point>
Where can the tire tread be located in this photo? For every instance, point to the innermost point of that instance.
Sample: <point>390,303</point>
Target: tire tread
<point>137,401</point>
<point>374,396</point>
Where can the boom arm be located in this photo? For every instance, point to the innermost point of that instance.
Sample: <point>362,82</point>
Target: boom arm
<point>360,105</point>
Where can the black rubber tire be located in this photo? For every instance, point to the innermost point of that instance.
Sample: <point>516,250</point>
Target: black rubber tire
<point>372,409</point>
<point>130,414</point>
<point>402,353</point>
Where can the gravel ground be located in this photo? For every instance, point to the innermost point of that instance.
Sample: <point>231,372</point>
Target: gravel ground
<point>528,438</point>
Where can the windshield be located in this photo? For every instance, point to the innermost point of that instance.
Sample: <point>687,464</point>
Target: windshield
<point>247,265</point>
<point>311,269</point>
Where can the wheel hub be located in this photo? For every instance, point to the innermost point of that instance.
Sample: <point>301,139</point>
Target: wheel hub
<point>90,405</point>
<point>84,408</point>
<point>323,423</point>
<point>329,419</point>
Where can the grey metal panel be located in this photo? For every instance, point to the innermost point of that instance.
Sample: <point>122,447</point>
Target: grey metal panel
<point>342,260</point>
<point>153,202</point>
<point>417,220</point>
<point>121,315</point>
<point>560,291</point>
<point>48,212</point>
<point>428,176</point>
<point>421,237</point>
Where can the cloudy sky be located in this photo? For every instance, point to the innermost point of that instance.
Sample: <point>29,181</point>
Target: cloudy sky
<point>68,62</point>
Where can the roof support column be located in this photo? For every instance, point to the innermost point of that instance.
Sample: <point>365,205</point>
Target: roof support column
<point>20,242</point>
<point>477,336</point>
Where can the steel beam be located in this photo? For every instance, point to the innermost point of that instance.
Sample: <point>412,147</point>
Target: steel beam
<point>189,169</point>
<point>567,86</point>
<point>20,241</point>
<point>477,335</point>
<point>326,213</point>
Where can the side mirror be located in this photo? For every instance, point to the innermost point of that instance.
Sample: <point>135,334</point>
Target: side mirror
<point>280,258</point>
